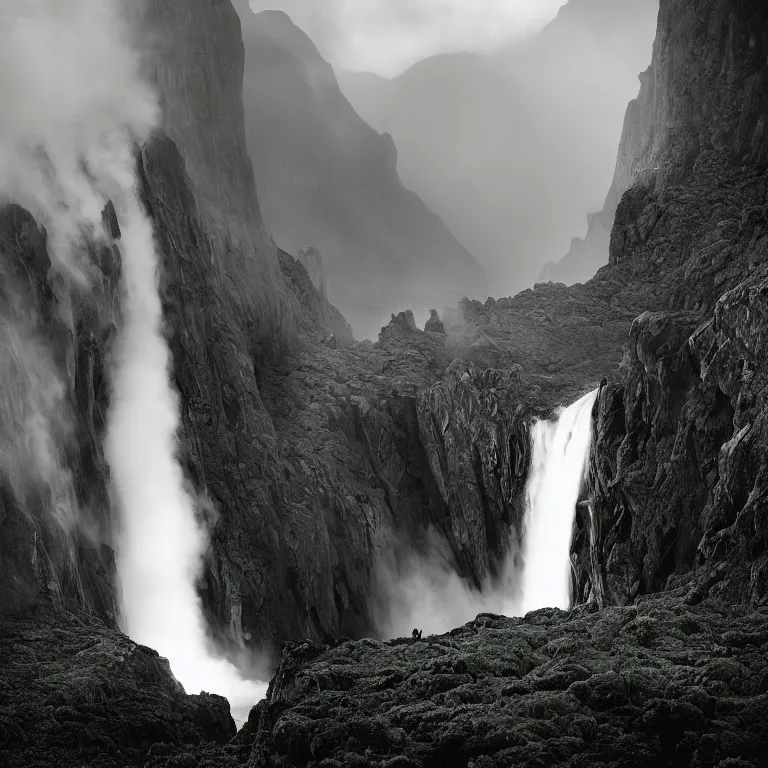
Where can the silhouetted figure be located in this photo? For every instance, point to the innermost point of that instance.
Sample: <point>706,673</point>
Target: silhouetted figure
<point>417,634</point>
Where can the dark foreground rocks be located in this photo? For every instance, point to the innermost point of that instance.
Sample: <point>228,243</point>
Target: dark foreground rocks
<point>74,692</point>
<point>660,683</point>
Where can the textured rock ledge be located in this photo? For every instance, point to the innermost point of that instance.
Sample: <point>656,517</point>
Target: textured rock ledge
<point>74,692</point>
<point>660,683</point>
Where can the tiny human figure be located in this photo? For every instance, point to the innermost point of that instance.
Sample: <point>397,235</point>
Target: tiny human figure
<point>417,634</point>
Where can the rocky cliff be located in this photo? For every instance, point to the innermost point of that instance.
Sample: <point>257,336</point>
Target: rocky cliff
<point>313,453</point>
<point>324,458</point>
<point>328,180</point>
<point>676,476</point>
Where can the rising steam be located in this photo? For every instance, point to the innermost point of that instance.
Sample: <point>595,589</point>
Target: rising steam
<point>72,105</point>
<point>67,147</point>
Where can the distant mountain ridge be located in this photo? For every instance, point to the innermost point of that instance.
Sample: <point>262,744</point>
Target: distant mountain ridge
<point>513,149</point>
<point>328,180</point>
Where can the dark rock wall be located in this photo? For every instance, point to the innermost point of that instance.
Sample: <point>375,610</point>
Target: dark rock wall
<point>474,428</point>
<point>195,57</point>
<point>55,522</point>
<point>676,471</point>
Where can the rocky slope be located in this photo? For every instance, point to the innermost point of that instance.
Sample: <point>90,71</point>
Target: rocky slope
<point>328,180</point>
<point>74,692</point>
<point>654,684</point>
<point>533,147</point>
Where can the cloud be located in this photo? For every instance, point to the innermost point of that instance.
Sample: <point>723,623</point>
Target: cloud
<point>76,103</point>
<point>387,36</point>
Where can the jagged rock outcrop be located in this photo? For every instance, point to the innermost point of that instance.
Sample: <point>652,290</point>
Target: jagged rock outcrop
<point>434,324</point>
<point>328,180</point>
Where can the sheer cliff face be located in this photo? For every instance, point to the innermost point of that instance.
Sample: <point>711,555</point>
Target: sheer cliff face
<point>677,468</point>
<point>531,150</point>
<point>195,59</point>
<point>327,180</point>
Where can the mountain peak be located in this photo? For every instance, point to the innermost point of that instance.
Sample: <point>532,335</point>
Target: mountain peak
<point>329,180</point>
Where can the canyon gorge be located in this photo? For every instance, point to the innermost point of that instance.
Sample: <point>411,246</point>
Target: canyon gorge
<point>297,501</point>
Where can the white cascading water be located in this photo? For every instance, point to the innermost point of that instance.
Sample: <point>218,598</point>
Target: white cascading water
<point>161,546</point>
<point>66,147</point>
<point>427,593</point>
<point>560,452</point>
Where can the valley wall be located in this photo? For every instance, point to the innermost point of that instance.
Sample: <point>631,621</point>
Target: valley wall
<point>676,467</point>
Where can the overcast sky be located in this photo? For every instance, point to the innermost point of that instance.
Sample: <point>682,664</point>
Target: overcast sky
<point>387,36</point>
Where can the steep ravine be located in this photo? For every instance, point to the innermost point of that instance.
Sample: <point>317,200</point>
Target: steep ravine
<point>318,457</point>
<point>673,524</point>
<point>278,423</point>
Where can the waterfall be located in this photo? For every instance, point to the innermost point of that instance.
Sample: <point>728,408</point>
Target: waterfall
<point>430,595</point>
<point>78,106</point>
<point>560,453</point>
<point>161,544</point>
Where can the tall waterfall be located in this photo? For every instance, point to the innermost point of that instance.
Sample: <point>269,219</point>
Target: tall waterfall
<point>560,452</point>
<point>161,544</point>
<point>75,106</point>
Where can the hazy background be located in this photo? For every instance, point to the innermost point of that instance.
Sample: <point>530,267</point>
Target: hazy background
<point>515,148</point>
<point>506,114</point>
<point>388,36</point>
<point>326,179</point>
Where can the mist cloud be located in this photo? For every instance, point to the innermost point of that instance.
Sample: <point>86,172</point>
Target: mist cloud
<point>73,103</point>
<point>387,36</point>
